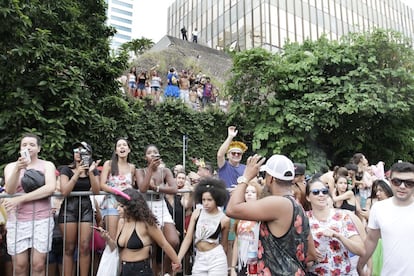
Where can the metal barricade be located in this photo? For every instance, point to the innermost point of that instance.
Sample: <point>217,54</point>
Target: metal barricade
<point>59,205</point>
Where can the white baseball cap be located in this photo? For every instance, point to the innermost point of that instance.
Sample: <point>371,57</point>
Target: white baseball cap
<point>280,167</point>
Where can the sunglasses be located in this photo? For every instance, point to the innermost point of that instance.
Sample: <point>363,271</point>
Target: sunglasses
<point>236,153</point>
<point>397,182</point>
<point>316,192</point>
<point>76,150</point>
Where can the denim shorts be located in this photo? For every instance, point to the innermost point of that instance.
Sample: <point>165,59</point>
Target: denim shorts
<point>132,84</point>
<point>141,86</point>
<point>109,212</point>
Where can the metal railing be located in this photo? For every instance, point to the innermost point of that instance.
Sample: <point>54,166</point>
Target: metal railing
<point>57,199</point>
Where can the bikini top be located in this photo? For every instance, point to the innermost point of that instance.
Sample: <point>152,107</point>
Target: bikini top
<point>346,206</point>
<point>134,242</point>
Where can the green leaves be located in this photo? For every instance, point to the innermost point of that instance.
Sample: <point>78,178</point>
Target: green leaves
<point>327,97</point>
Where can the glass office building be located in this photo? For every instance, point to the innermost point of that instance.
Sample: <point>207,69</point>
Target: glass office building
<point>244,24</point>
<point>120,15</point>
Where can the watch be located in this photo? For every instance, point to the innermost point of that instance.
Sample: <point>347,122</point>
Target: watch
<point>241,179</point>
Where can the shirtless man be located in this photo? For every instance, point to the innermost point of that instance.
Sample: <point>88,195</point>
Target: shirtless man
<point>184,83</point>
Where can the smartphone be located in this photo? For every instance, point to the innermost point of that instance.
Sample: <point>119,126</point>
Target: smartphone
<point>86,158</point>
<point>26,154</point>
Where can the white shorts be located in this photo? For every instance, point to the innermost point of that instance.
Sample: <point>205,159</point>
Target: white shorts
<point>212,262</point>
<point>22,235</point>
<point>160,210</point>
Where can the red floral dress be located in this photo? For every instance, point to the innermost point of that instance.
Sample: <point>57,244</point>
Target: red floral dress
<point>336,261</point>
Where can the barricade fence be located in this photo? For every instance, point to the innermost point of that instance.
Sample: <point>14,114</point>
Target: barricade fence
<point>55,261</point>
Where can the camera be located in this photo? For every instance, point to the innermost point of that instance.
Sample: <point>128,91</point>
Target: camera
<point>85,157</point>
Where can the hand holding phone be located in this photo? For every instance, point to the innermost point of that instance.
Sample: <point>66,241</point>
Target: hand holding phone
<point>26,154</point>
<point>99,229</point>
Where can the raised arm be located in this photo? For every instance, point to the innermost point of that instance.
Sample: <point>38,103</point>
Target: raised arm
<point>12,174</point>
<point>345,196</point>
<point>144,176</point>
<point>221,153</point>
<point>94,179</point>
<point>42,192</point>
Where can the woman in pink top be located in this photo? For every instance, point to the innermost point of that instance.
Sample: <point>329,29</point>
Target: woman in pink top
<point>116,173</point>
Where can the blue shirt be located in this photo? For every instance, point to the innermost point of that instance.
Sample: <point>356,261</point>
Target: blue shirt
<point>229,173</point>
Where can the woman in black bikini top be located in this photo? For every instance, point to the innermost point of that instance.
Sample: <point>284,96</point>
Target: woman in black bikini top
<point>137,230</point>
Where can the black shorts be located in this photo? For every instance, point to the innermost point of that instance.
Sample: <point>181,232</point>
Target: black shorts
<point>141,268</point>
<point>75,212</point>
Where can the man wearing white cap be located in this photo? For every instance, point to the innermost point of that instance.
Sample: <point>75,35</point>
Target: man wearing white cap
<point>285,239</point>
<point>229,170</point>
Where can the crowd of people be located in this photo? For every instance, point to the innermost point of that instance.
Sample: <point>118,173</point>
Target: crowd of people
<point>264,217</point>
<point>194,89</point>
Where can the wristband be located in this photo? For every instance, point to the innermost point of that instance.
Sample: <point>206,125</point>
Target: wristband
<point>158,189</point>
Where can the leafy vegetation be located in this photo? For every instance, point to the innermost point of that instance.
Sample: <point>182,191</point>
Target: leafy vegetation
<point>322,101</point>
<point>317,102</point>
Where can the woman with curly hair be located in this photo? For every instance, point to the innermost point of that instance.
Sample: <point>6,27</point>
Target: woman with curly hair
<point>207,225</point>
<point>137,230</point>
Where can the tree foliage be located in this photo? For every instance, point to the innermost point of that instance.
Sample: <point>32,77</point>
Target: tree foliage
<point>55,65</point>
<point>322,101</point>
<point>59,81</point>
<point>138,46</point>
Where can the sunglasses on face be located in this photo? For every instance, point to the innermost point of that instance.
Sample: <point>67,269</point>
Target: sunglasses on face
<point>236,153</point>
<point>316,192</point>
<point>407,183</point>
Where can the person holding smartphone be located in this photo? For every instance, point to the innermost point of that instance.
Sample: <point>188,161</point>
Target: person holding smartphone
<point>76,212</point>
<point>160,180</point>
<point>137,231</point>
<point>29,219</point>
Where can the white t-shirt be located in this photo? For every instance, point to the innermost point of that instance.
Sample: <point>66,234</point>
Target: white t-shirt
<point>396,224</point>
